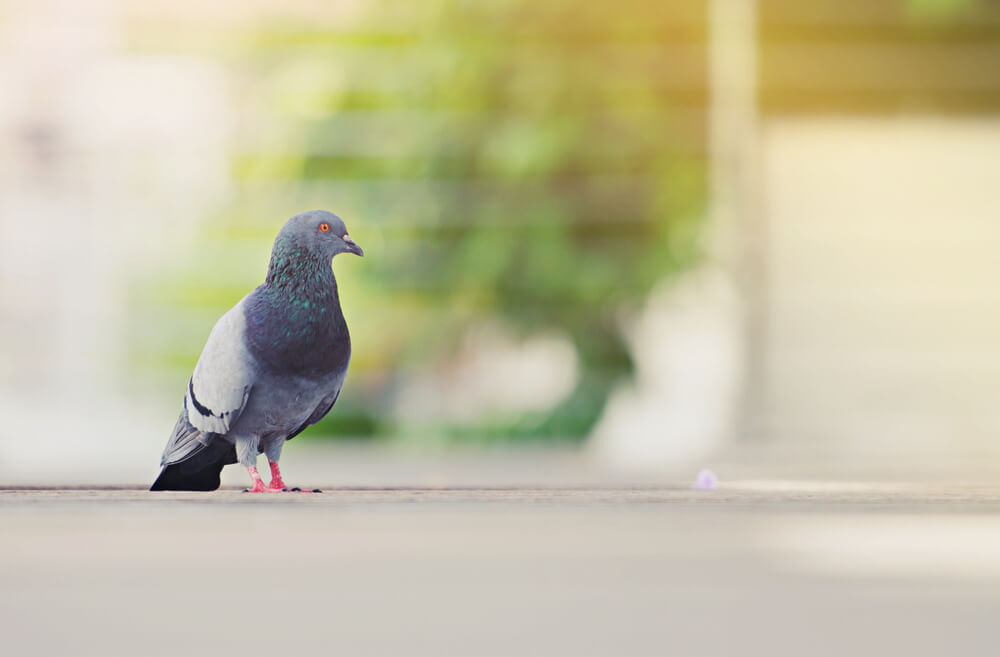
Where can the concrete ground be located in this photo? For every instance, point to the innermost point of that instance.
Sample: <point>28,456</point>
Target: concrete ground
<point>431,562</point>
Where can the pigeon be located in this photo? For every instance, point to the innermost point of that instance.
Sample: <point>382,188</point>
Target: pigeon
<point>273,365</point>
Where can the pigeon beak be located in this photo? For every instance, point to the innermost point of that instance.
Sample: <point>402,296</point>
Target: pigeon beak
<point>352,246</point>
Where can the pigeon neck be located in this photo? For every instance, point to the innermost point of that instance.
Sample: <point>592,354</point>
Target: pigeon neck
<point>296,270</point>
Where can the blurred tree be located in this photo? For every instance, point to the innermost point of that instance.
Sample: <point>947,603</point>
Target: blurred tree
<point>573,172</point>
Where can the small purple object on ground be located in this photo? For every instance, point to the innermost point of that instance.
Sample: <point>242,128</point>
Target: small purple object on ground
<point>706,480</point>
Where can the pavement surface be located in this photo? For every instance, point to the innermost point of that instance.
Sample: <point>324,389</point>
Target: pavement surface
<point>762,566</point>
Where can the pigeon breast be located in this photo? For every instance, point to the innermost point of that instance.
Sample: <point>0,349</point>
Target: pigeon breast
<point>303,335</point>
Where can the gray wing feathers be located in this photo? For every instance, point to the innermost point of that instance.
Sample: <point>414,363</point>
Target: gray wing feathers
<point>219,390</point>
<point>185,441</point>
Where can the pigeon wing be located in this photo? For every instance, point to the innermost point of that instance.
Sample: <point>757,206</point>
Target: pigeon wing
<point>217,392</point>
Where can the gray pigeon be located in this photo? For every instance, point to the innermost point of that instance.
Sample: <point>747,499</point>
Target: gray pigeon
<point>273,365</point>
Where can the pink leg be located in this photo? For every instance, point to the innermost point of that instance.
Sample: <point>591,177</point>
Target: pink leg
<point>276,482</point>
<point>258,483</point>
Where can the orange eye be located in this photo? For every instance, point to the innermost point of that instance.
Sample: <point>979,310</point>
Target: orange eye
<point>324,227</point>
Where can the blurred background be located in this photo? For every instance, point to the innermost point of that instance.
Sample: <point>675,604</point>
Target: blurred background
<point>645,235</point>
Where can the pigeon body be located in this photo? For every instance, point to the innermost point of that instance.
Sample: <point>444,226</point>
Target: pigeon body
<point>273,365</point>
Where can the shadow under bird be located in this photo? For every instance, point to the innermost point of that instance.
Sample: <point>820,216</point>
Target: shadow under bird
<point>273,365</point>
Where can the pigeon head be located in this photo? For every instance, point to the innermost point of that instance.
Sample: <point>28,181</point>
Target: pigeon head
<point>305,246</point>
<point>316,233</point>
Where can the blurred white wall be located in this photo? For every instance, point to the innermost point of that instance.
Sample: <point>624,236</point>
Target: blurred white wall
<point>882,289</point>
<point>107,160</point>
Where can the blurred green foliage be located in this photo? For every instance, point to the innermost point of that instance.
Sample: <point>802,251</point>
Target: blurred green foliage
<point>538,162</point>
<point>938,9</point>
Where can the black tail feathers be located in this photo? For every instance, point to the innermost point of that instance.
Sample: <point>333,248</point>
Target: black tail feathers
<point>199,472</point>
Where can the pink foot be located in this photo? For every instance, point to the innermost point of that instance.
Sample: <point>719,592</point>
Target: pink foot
<point>259,487</point>
<point>278,484</point>
<point>258,484</point>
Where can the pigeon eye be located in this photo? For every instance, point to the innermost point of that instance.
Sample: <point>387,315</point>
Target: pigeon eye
<point>324,227</point>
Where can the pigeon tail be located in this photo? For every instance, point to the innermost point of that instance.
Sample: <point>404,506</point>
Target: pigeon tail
<point>200,472</point>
